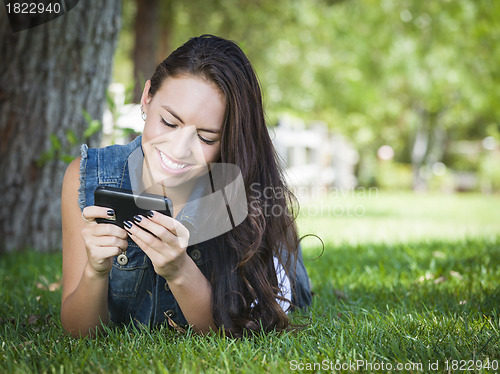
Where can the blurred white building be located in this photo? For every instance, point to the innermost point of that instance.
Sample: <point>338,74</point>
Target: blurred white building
<point>315,159</point>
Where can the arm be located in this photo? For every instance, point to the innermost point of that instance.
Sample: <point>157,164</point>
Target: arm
<point>167,252</point>
<point>193,293</point>
<point>284,286</point>
<point>85,282</point>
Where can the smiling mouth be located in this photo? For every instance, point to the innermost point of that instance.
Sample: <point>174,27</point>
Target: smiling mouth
<point>171,164</point>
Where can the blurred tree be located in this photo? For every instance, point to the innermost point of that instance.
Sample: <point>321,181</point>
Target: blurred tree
<point>429,68</point>
<point>166,14</point>
<point>152,28</point>
<point>409,73</point>
<point>50,76</point>
<point>443,74</point>
<point>145,31</point>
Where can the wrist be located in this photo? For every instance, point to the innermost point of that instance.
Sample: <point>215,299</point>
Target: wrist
<point>181,273</point>
<point>91,273</point>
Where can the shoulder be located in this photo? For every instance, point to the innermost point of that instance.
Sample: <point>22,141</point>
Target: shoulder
<point>110,151</point>
<point>71,183</point>
<point>107,160</point>
<point>111,159</point>
<point>120,149</point>
<point>72,172</point>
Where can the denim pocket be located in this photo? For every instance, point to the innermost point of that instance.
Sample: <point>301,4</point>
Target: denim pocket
<point>125,280</point>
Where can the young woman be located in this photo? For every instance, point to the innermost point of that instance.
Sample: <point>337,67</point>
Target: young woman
<point>202,108</point>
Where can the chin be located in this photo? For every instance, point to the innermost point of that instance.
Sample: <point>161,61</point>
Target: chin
<point>178,180</point>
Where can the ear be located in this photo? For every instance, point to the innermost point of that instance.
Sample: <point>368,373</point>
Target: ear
<point>145,99</point>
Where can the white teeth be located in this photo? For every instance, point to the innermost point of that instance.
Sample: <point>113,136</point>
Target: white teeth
<point>170,164</point>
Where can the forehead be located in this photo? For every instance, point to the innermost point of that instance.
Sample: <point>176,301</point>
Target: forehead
<point>187,94</point>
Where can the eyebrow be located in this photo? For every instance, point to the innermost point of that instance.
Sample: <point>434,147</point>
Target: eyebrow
<point>172,112</point>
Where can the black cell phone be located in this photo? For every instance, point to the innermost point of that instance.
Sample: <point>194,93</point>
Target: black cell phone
<point>127,204</point>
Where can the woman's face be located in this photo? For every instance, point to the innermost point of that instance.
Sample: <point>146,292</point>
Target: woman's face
<point>183,128</point>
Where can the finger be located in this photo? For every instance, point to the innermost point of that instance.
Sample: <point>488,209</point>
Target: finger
<point>149,240</point>
<point>108,229</point>
<point>169,223</point>
<point>111,241</point>
<point>93,242</point>
<point>150,252</point>
<point>166,234</point>
<point>175,234</point>
<point>90,213</point>
<point>106,252</point>
<point>93,232</point>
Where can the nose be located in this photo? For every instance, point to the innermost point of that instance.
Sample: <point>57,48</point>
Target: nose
<point>184,142</point>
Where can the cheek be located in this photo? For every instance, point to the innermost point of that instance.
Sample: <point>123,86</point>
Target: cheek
<point>150,132</point>
<point>146,134</point>
<point>211,153</point>
<point>156,133</point>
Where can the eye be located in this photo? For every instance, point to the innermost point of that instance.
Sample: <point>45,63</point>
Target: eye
<point>168,124</point>
<point>206,141</point>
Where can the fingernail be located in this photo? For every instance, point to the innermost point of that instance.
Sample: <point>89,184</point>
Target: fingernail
<point>127,224</point>
<point>137,219</point>
<point>110,213</point>
<point>150,214</point>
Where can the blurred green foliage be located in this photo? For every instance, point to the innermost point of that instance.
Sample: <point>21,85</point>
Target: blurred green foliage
<point>489,173</point>
<point>393,175</point>
<point>378,71</point>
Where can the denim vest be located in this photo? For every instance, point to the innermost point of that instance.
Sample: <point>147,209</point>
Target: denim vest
<point>136,293</point>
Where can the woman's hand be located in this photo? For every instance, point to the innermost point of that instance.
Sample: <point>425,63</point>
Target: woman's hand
<point>102,241</point>
<point>166,246</point>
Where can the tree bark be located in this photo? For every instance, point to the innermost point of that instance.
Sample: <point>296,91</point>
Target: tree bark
<point>49,75</point>
<point>164,48</point>
<point>146,33</point>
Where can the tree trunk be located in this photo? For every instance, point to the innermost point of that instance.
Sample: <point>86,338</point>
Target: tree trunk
<point>146,32</point>
<point>49,75</point>
<point>163,48</point>
<point>428,147</point>
<point>419,151</point>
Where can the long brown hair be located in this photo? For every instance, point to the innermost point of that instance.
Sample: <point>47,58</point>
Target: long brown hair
<point>244,282</point>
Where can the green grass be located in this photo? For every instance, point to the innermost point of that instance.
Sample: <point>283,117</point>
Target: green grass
<point>379,217</point>
<point>413,280</point>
